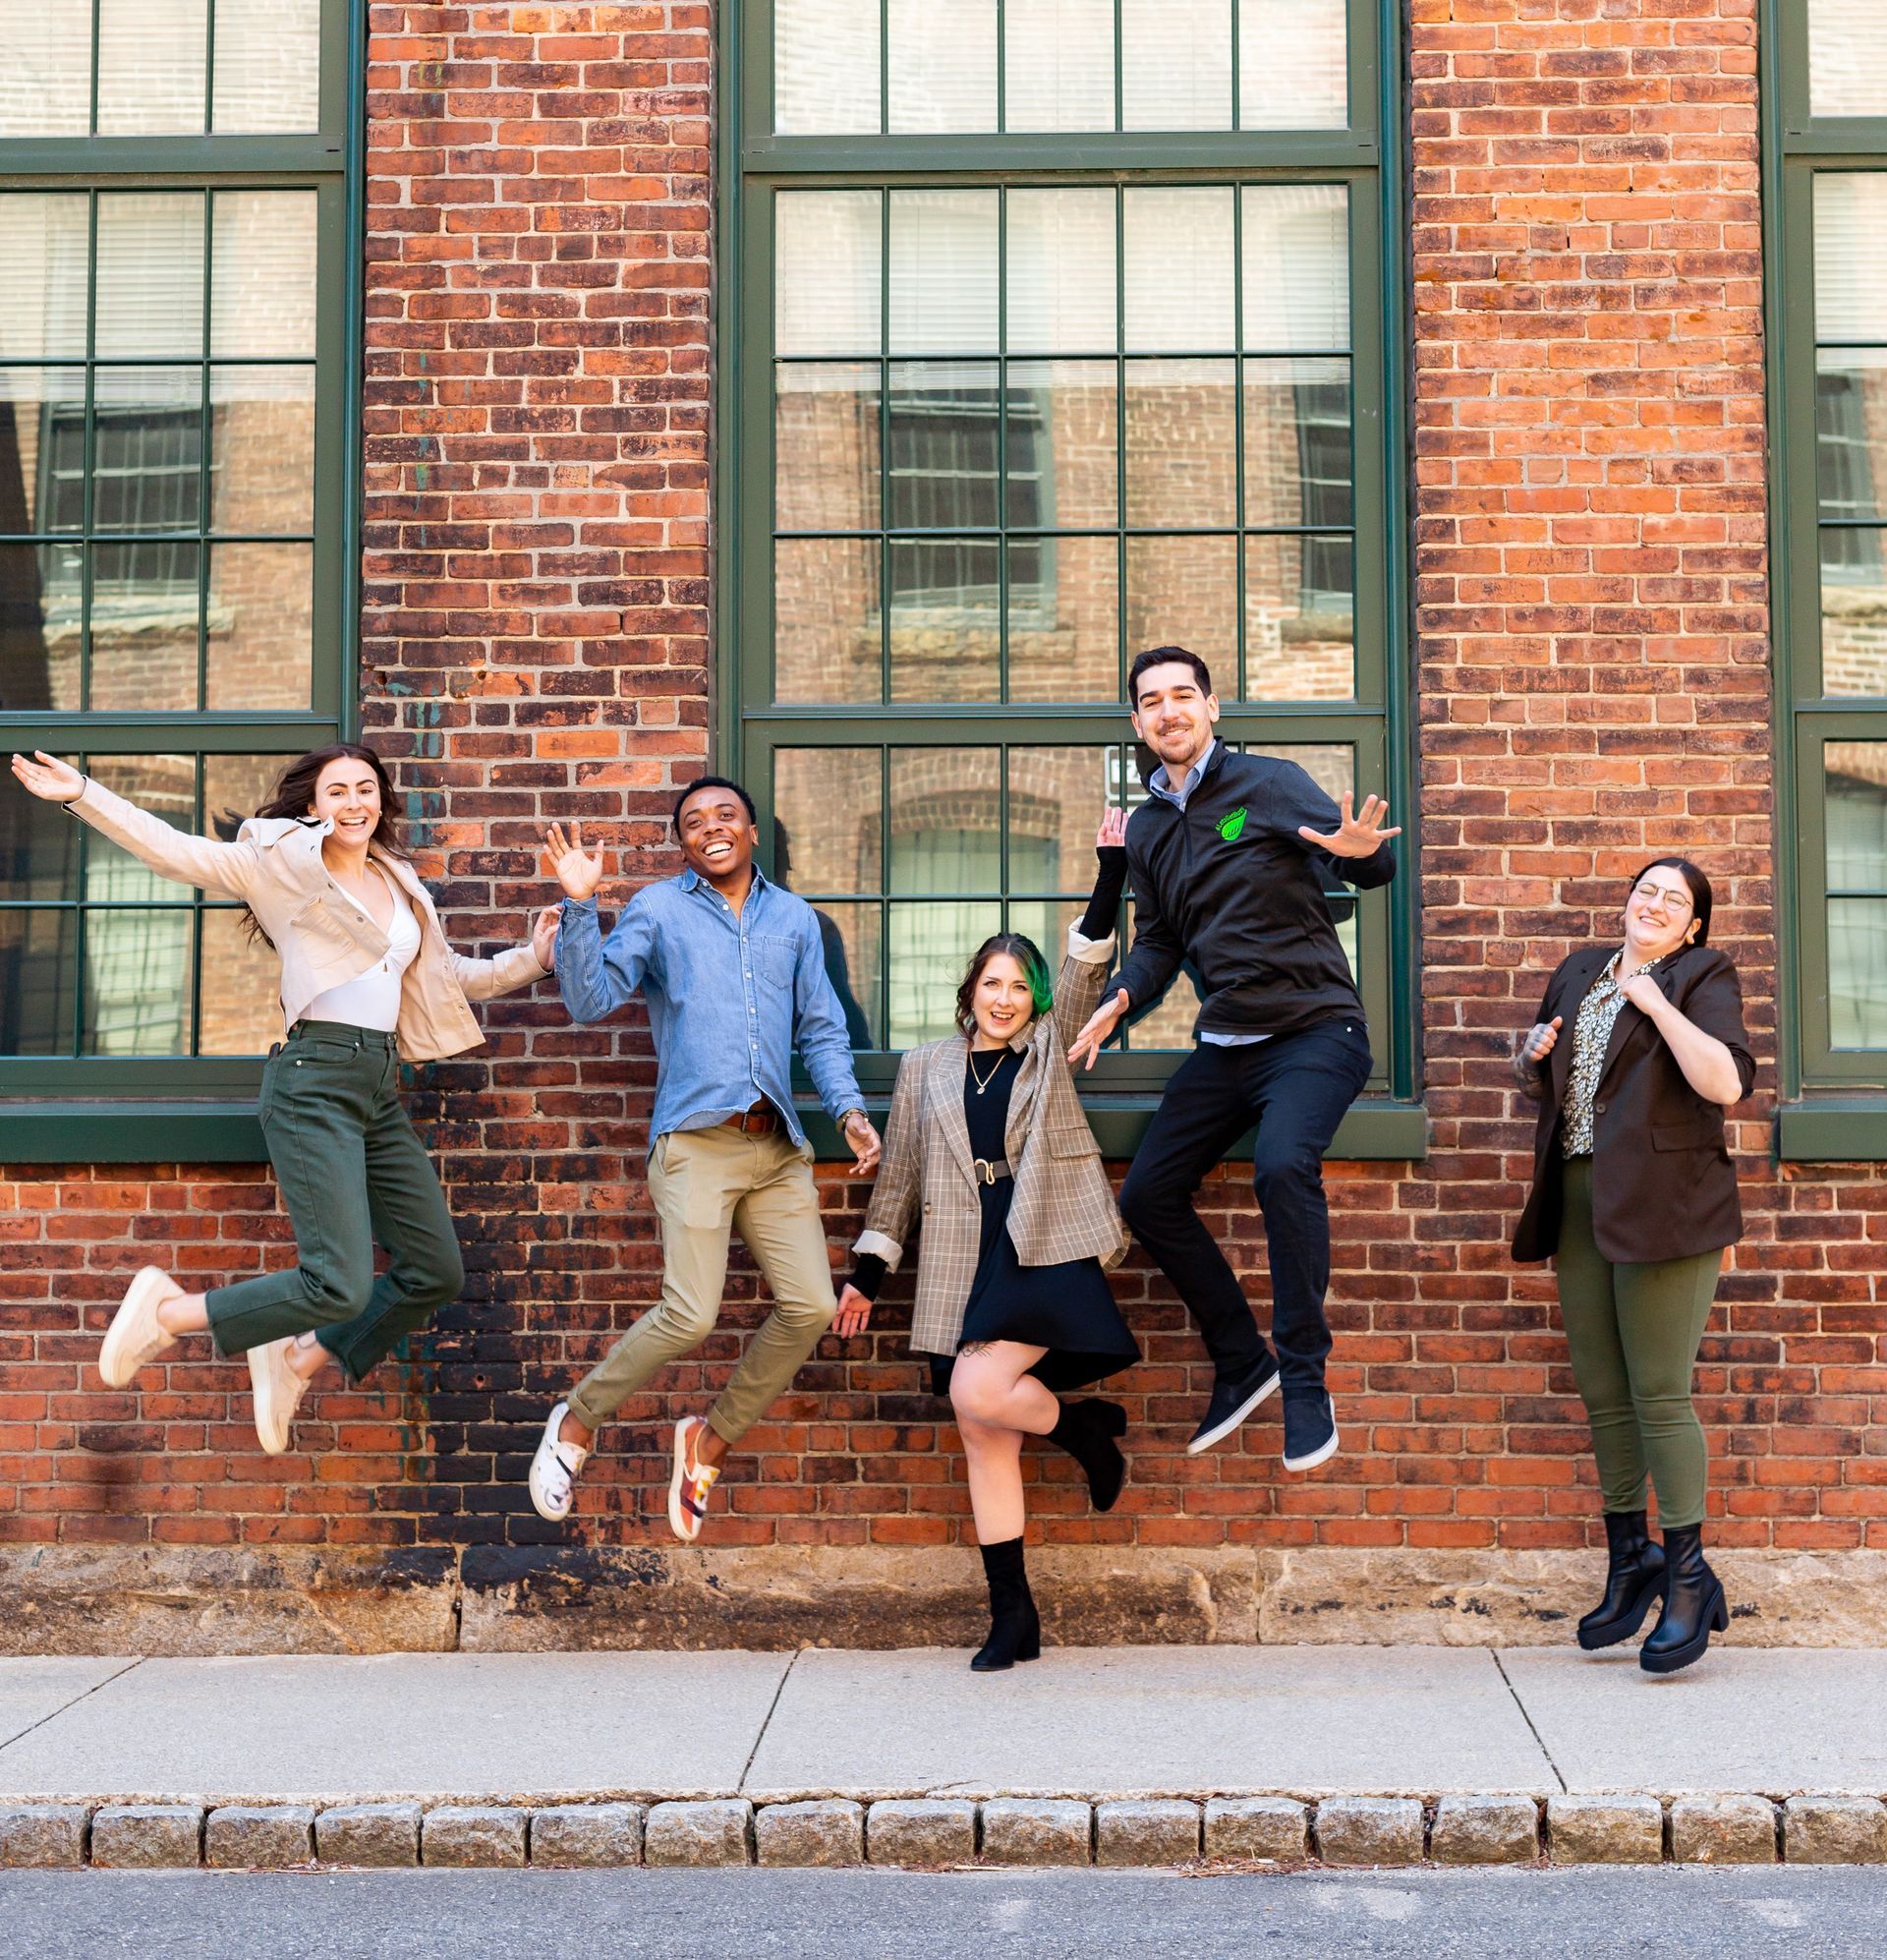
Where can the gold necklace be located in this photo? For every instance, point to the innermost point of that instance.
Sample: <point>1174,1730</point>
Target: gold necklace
<point>984,1082</point>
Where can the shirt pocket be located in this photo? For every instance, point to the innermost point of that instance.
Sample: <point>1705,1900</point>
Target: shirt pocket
<point>775,958</point>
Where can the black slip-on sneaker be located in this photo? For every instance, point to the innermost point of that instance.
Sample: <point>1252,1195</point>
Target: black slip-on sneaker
<point>1233,1398</point>
<point>1310,1431</point>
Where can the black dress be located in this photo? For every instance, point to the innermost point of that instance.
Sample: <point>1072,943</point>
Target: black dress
<point>1068,1308</point>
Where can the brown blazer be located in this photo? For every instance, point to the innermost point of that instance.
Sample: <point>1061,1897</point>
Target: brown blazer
<point>1663,1187</point>
<point>1064,1207</point>
<point>275,867</point>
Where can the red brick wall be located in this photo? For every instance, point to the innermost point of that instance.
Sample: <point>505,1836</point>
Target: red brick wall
<point>1591,645</point>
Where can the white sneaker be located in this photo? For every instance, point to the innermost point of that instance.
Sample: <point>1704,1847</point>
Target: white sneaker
<point>554,1467</point>
<point>689,1484</point>
<point>279,1392</point>
<point>135,1335</point>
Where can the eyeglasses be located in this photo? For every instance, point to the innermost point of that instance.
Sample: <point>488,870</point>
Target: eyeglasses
<point>1676,898</point>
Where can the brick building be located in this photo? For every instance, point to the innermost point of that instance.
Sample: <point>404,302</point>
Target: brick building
<point>570,396</point>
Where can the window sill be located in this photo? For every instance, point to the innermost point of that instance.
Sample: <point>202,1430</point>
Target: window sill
<point>1376,1130</point>
<point>130,1132</point>
<point>1833,1128</point>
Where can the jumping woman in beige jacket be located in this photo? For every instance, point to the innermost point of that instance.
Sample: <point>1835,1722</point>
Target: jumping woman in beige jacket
<point>367,980</point>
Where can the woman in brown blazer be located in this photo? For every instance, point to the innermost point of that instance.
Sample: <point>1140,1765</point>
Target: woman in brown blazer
<point>1019,1223</point>
<point>1635,1193</point>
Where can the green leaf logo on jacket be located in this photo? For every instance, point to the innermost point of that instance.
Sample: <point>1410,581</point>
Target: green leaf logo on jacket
<point>1233,827</point>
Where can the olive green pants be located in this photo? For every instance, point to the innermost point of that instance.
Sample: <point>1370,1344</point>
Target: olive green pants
<point>704,1183</point>
<point>1634,1331</point>
<point>352,1172</point>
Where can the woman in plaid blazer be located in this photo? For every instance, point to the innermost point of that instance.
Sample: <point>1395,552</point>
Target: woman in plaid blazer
<point>988,1136</point>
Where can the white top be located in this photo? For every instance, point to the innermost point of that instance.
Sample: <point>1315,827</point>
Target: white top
<point>372,998</point>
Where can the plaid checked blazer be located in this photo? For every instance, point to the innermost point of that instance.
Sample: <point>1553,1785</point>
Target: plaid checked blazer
<point>1064,1206</point>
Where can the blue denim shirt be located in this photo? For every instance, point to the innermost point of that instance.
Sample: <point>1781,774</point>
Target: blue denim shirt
<point>728,997</point>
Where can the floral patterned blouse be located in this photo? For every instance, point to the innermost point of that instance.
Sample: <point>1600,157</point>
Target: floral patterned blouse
<point>1591,1036</point>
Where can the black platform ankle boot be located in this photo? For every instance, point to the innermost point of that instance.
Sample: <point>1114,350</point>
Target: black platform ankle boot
<point>1090,1432</point>
<point>1633,1577</point>
<point>1015,1627</point>
<point>1693,1605</point>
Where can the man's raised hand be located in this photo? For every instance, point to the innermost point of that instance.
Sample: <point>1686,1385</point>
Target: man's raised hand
<point>577,870</point>
<point>1360,835</point>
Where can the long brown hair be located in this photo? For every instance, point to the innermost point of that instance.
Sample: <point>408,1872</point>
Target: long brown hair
<point>294,794</point>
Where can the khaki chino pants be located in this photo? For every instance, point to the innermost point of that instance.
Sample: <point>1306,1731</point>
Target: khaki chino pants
<point>705,1183</point>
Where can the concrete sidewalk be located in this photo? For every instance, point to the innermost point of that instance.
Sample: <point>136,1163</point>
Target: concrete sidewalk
<point>1094,1727</point>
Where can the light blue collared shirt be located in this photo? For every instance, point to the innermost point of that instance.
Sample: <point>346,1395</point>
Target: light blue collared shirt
<point>729,997</point>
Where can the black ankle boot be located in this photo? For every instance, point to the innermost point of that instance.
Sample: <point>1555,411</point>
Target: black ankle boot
<point>1089,1431</point>
<point>1015,1627</point>
<point>1693,1605</point>
<point>1633,1577</point>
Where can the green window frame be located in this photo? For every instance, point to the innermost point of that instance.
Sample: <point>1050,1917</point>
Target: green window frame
<point>758,734</point>
<point>1826,540</point>
<point>135,491</point>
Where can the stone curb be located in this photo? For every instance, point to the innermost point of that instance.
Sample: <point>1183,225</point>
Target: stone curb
<point>1745,1829</point>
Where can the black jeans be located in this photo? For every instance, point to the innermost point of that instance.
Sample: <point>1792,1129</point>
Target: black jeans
<point>1296,1087</point>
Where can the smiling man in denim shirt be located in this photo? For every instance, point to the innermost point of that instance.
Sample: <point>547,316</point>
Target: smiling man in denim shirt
<point>733,971</point>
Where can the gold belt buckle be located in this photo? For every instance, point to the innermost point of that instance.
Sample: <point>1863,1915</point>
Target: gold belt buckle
<point>985,1171</point>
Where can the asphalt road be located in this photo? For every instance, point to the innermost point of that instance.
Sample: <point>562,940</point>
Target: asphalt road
<point>1805,1914</point>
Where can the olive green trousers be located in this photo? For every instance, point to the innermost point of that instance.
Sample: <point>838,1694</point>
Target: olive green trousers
<point>1634,1331</point>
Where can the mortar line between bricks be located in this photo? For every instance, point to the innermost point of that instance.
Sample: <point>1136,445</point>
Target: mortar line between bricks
<point>766,1722</point>
<point>1528,1720</point>
<point>137,1660</point>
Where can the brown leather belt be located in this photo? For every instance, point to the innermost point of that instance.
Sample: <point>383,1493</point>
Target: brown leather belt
<point>760,1121</point>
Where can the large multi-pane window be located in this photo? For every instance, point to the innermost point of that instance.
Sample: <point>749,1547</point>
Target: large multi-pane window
<point>174,573</point>
<point>1829,304</point>
<point>1063,332</point>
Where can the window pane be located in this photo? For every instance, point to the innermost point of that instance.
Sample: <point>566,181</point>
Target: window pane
<point>1065,619</point>
<point>1855,815</point>
<point>38,957</point>
<point>263,279</point>
<point>237,786</point>
<point>1057,795</point>
<point>828,804</point>
<point>259,651</point>
<point>851,937</point>
<point>42,299</point>
<point>1178,250</point>
<point>268,66</point>
<point>942,66</point>
<point>164,786</point>
<point>945,445</point>
<point>147,450</point>
<point>826,67</point>
<point>1298,442</point>
<point>1301,628</point>
<point>1061,442</point>
<point>39,628</point>
<point>150,273</point>
<point>943,282</point>
<point>1291,65</point>
<point>137,997</point>
<point>826,446</point>
<point>45,69</point>
<point>152,72</point>
<point>1184,592</point>
<point>826,620</point>
<point>1175,64</point>
<point>38,849</point>
<point>827,260</point>
<point>1181,442</point>
<point>1854,612</point>
<point>1062,272</point>
<point>262,456</point>
<point>946,618</point>
<point>1297,267</point>
<point>1847,58</point>
<point>42,426</point>
<point>143,625</point>
<point>1059,64</point>
<point>1851,431</point>
<point>241,1007</point>
<point>1850,273</point>
<point>946,824</point>
<point>1168,1023</point>
<point>929,951</point>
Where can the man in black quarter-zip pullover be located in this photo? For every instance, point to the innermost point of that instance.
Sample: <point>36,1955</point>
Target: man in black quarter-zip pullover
<point>1229,859</point>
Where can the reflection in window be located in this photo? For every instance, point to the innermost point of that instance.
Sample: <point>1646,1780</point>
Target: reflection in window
<point>1856,825</point>
<point>1845,466</point>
